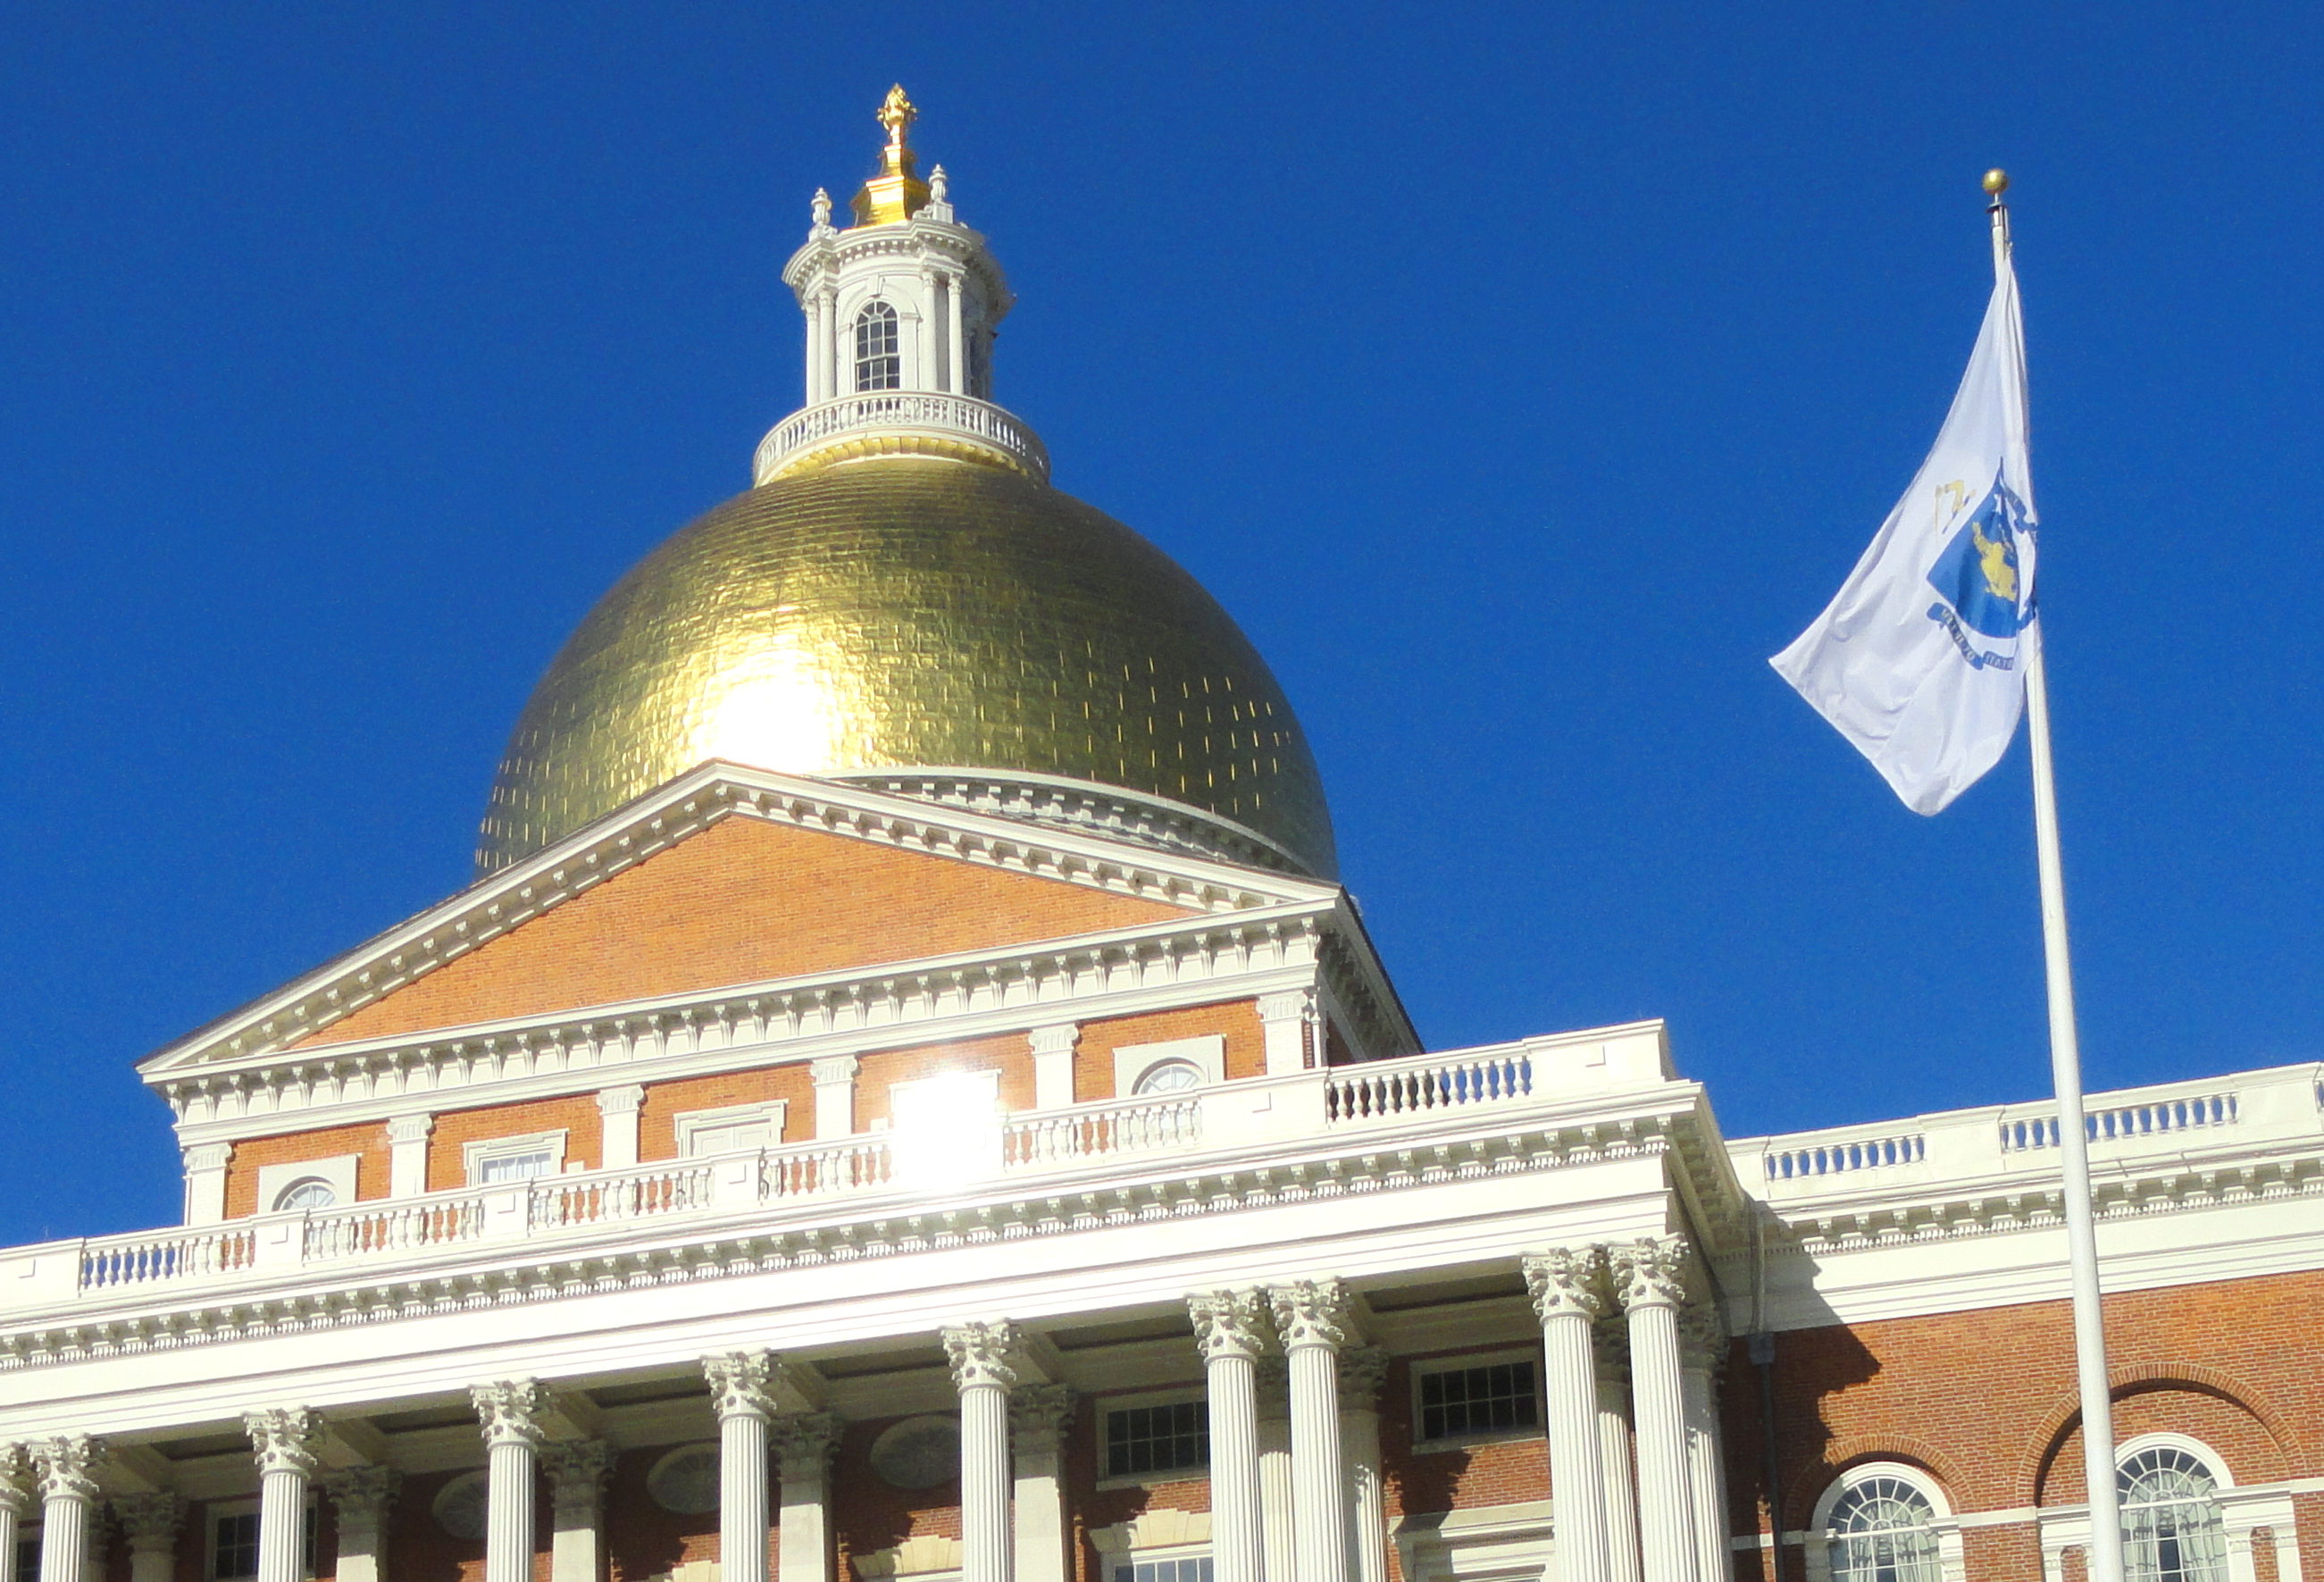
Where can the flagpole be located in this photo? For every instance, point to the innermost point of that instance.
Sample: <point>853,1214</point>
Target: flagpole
<point>2105,1552</point>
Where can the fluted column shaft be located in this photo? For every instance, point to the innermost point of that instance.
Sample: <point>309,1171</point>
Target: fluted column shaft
<point>1564,1286</point>
<point>1614,1456</point>
<point>804,1442</point>
<point>1037,1416</point>
<point>361,1496</point>
<point>1703,1345</point>
<point>1648,1277</point>
<point>1312,1316</point>
<point>577,1470</point>
<point>983,1371</point>
<point>16,1497</point>
<point>956,345</point>
<point>1231,1330</point>
<point>510,1412</point>
<point>1278,1543</point>
<point>284,1440</point>
<point>67,1496</point>
<point>740,1395</point>
<point>1363,1372</point>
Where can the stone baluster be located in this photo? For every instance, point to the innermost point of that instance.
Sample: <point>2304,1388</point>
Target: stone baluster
<point>983,1371</point>
<point>1649,1277</point>
<point>285,1440</point>
<point>1614,1452</point>
<point>577,1470</point>
<point>1231,1331</point>
<point>151,1522</point>
<point>1363,1372</point>
<point>1703,1349</point>
<point>1564,1284</point>
<point>1037,1417</point>
<point>1278,1541</point>
<point>1313,1318</point>
<point>15,1499</point>
<point>67,1466</point>
<point>361,1498</point>
<point>740,1396</point>
<point>510,1411</point>
<point>804,1443</point>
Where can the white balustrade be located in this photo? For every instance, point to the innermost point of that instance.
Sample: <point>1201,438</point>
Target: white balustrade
<point>410,1225</point>
<point>1841,1155</point>
<point>830,1167</point>
<point>141,1258</point>
<point>908,411</point>
<point>606,1196</point>
<point>2024,1134</point>
<point>1412,1086</point>
<point>1096,1131</point>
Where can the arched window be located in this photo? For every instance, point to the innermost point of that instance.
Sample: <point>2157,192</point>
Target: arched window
<point>2172,1530</point>
<point>1881,1529</point>
<point>308,1192</point>
<point>1169,1077</point>
<point>879,360</point>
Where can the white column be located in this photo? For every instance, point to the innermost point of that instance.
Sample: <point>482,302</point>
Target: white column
<point>510,1411</point>
<point>15,1499</point>
<point>1231,1332</point>
<point>151,1522</point>
<point>1283,1022</point>
<point>1278,1544</point>
<point>813,389</point>
<point>982,1371</point>
<point>1703,1347</point>
<point>957,342</point>
<point>617,1112</point>
<point>835,1095</point>
<point>1362,1372</point>
<point>1037,1416</point>
<point>740,1395</point>
<point>67,1496</point>
<point>1313,1318</point>
<point>206,1181</point>
<point>1564,1285</point>
<point>1648,1277</point>
<point>1614,1453</point>
<point>361,1497</point>
<point>804,1444</point>
<point>284,1440</point>
<point>577,1470</point>
<point>406,1154</point>
<point>804,1441</point>
<point>1053,1065</point>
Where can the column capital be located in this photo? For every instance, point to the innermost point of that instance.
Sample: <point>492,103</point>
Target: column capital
<point>150,1521</point>
<point>1229,1323</point>
<point>577,1470</point>
<point>739,1384</point>
<point>621,1101</point>
<point>285,1438</point>
<point>1649,1273</point>
<point>410,1128</point>
<point>1060,1040</point>
<point>1703,1338</point>
<point>982,1355</point>
<point>1563,1281</point>
<point>1363,1373</point>
<point>1312,1312</point>
<point>831,1070</point>
<point>1611,1342</point>
<point>510,1411</point>
<point>68,1464</point>
<point>204,1156</point>
<point>1037,1416</point>
<point>363,1493</point>
<point>15,1477</point>
<point>805,1441</point>
<point>1286,1004</point>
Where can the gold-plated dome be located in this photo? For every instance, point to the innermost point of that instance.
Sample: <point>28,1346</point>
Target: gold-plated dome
<point>901,614</point>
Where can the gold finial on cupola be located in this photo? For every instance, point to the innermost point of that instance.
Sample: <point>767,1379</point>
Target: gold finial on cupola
<point>896,192</point>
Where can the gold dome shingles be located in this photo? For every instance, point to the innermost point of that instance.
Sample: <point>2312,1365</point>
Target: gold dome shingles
<point>908,614</point>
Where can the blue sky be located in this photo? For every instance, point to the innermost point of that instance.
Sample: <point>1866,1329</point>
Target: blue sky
<point>1520,377</point>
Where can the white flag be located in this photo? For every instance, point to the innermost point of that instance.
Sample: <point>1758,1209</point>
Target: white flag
<point>1920,660</point>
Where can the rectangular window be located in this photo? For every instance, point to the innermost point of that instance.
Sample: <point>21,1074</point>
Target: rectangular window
<point>1496,1398</point>
<point>1192,1569</point>
<point>512,1167</point>
<point>1157,1438</point>
<point>234,1547</point>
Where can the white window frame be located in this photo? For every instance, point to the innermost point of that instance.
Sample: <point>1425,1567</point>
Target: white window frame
<point>2242,1511</point>
<point>473,1155</point>
<point>337,1172</point>
<point>1455,1362</point>
<point>1109,1404</point>
<point>688,1123</point>
<point>1164,1534</point>
<point>1207,1054</point>
<point>1951,1562</point>
<point>218,1511</point>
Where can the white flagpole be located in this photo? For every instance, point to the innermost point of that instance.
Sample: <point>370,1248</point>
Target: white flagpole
<point>2104,1553</point>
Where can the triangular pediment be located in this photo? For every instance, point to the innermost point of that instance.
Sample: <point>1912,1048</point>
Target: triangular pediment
<point>730,876</point>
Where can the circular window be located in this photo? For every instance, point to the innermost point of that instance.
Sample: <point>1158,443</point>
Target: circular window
<point>1170,1077</point>
<point>686,1480</point>
<point>306,1192</point>
<point>918,1453</point>
<point>461,1506</point>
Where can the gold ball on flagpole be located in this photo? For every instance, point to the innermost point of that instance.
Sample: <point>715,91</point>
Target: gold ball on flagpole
<point>1996,182</point>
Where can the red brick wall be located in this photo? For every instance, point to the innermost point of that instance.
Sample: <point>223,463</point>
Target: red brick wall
<point>641,1539</point>
<point>743,900</point>
<point>666,1101</point>
<point>1499,1473</point>
<point>368,1142</point>
<point>575,1115</point>
<point>1238,1020</point>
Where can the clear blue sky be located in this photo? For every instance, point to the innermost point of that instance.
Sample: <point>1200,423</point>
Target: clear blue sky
<point>1520,377</point>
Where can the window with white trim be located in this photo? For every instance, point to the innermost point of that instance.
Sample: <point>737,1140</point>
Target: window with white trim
<point>1171,1436</point>
<point>306,1192</point>
<point>879,360</point>
<point>494,1161</point>
<point>234,1543</point>
<point>736,1129</point>
<point>1882,1529</point>
<point>2172,1530</point>
<point>1471,1398</point>
<point>1170,1077</point>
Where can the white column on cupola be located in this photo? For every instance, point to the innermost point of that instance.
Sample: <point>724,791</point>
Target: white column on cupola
<point>1314,1317</point>
<point>285,1439</point>
<point>67,1466</point>
<point>740,1397</point>
<point>1649,1277</point>
<point>510,1411</point>
<point>983,1372</point>
<point>1231,1332</point>
<point>1565,1282</point>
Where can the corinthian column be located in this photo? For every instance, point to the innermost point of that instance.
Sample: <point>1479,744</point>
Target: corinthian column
<point>1703,1347</point>
<point>15,1498</point>
<point>510,1411</point>
<point>739,1395</point>
<point>577,1470</point>
<point>1614,1452</point>
<point>804,1442</point>
<point>1275,1543</point>
<point>67,1466</point>
<point>360,1497</point>
<point>1564,1286</point>
<point>1231,1331</point>
<point>1312,1316</point>
<point>284,1440</point>
<point>1037,1416</point>
<point>151,1522</point>
<point>980,1357</point>
<point>1649,1277</point>
<point>1362,1372</point>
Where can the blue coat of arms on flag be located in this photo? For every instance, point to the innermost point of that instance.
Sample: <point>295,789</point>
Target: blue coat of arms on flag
<point>1977,573</point>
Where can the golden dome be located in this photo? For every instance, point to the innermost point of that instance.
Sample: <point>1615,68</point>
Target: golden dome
<point>914,614</point>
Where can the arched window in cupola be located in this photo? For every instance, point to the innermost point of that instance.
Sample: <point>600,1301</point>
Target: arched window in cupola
<point>878,357</point>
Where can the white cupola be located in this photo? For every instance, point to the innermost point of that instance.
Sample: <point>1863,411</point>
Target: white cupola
<point>900,311</point>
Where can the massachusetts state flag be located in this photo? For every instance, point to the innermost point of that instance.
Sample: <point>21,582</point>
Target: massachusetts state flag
<point>1920,660</point>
